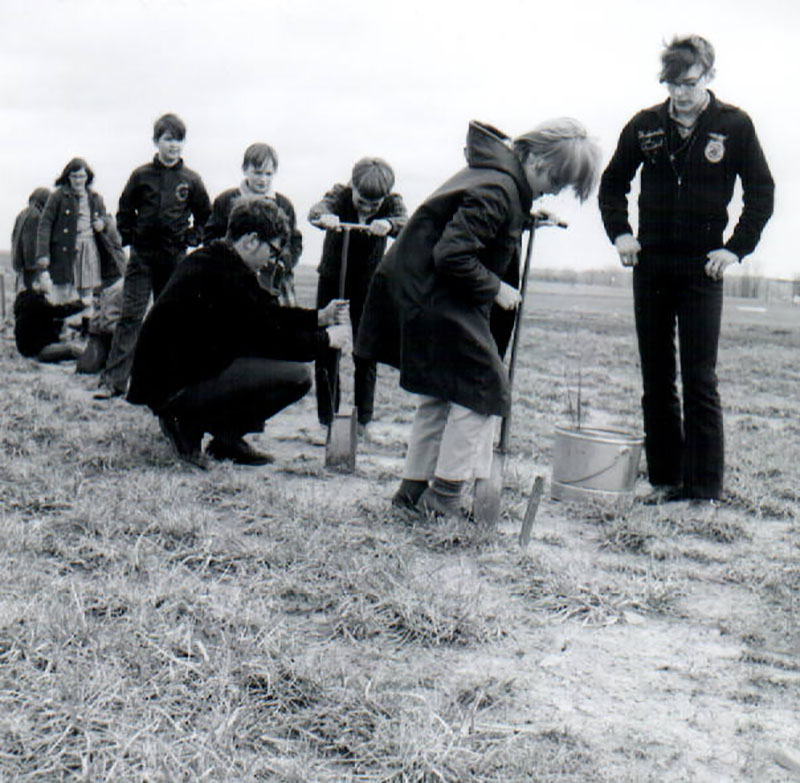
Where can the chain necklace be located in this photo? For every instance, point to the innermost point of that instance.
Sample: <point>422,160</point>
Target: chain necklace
<point>684,148</point>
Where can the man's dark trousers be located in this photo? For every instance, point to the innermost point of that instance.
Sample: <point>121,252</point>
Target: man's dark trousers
<point>241,398</point>
<point>325,366</point>
<point>688,450</point>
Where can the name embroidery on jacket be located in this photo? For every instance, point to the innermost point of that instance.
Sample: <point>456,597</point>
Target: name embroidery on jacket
<point>650,142</point>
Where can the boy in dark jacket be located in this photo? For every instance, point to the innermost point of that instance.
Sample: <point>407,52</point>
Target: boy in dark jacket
<point>690,149</point>
<point>23,236</point>
<point>217,353</point>
<point>429,308</point>
<point>161,211</point>
<point>38,323</point>
<point>367,199</point>
<point>259,167</point>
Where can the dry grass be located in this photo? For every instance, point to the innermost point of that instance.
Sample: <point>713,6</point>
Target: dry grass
<point>158,623</point>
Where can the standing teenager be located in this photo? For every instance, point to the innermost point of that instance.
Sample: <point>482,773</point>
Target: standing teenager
<point>691,149</point>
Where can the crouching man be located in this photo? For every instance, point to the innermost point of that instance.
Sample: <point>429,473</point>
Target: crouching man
<point>217,354</point>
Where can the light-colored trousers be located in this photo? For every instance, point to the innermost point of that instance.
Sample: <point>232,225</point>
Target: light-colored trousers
<point>449,441</point>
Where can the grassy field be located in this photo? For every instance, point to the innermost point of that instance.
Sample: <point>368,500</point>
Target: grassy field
<point>159,623</point>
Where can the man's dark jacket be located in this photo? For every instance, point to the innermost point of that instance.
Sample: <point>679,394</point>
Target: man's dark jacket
<point>156,206</point>
<point>217,224</point>
<point>430,303</point>
<point>687,184</point>
<point>211,312</point>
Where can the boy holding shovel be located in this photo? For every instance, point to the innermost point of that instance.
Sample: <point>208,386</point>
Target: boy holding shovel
<point>441,304</point>
<point>368,199</point>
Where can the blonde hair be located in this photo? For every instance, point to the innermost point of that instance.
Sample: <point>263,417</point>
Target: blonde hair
<point>565,146</point>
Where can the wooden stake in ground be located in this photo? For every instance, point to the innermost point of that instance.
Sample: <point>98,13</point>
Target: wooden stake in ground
<point>530,511</point>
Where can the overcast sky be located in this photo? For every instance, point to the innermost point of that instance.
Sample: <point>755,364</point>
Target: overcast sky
<point>326,83</point>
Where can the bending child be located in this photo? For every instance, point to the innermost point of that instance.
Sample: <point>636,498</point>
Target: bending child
<point>367,199</point>
<point>429,307</point>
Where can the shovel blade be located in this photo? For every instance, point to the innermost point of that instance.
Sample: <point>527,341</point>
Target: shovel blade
<point>340,448</point>
<point>486,502</point>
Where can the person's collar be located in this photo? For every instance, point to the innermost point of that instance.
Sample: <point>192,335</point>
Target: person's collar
<point>689,120</point>
<point>248,192</point>
<point>158,162</point>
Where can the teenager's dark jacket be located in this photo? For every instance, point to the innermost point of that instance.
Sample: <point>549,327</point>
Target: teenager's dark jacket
<point>365,250</point>
<point>156,204</point>
<point>37,323</point>
<point>26,226</point>
<point>211,312</point>
<point>431,299</point>
<point>683,202</point>
<point>217,224</point>
<point>57,235</point>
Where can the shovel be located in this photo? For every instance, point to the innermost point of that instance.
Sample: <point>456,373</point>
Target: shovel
<point>342,440</point>
<point>486,502</point>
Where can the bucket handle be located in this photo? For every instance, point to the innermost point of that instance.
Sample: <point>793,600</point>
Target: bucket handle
<point>622,452</point>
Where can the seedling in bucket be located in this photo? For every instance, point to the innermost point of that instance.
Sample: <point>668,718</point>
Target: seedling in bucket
<point>342,441</point>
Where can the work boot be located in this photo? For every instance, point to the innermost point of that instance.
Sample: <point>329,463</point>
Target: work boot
<point>185,440</point>
<point>409,493</point>
<point>664,493</point>
<point>239,451</point>
<point>442,499</point>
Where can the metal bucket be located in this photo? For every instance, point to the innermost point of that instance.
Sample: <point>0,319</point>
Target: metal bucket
<point>594,464</point>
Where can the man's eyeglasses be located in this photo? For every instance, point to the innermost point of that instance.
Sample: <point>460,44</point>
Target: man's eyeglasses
<point>689,83</point>
<point>275,247</point>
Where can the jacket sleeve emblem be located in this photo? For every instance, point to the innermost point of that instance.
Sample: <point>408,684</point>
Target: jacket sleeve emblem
<point>182,192</point>
<point>715,148</point>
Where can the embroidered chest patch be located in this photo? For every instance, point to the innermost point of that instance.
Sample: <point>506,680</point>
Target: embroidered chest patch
<point>182,192</point>
<point>715,148</point>
<point>650,142</point>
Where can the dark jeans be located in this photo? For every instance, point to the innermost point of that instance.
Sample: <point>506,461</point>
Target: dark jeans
<point>28,276</point>
<point>146,273</point>
<point>242,397</point>
<point>326,366</point>
<point>683,450</point>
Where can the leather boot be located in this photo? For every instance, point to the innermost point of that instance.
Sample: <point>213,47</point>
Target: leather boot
<point>442,498</point>
<point>409,493</point>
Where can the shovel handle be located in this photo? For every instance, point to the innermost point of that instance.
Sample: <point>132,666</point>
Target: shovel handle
<point>537,219</point>
<point>352,227</point>
<point>505,425</point>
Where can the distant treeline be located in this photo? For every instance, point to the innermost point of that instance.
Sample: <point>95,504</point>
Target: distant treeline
<point>745,286</point>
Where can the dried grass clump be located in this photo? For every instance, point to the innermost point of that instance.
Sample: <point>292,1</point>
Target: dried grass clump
<point>719,529</point>
<point>566,594</point>
<point>386,600</point>
<point>376,732</point>
<point>636,533</point>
